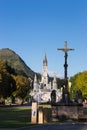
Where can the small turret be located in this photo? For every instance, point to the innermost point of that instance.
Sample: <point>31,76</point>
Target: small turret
<point>35,83</point>
<point>54,83</point>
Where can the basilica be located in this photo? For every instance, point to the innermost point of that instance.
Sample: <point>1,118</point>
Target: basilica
<point>42,91</point>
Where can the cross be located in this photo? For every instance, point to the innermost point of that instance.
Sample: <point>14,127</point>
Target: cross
<point>65,50</point>
<point>65,94</point>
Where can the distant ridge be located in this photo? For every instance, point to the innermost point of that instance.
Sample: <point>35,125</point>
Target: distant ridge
<point>15,62</point>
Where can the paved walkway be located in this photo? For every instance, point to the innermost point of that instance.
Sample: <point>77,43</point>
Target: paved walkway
<point>60,126</point>
<point>57,127</point>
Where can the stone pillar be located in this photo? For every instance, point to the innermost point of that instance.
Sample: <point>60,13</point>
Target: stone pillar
<point>54,113</point>
<point>45,115</point>
<point>40,115</point>
<point>34,113</point>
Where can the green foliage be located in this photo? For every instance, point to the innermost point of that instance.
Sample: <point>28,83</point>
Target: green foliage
<point>7,84</point>
<point>11,84</point>
<point>14,75</point>
<point>79,82</point>
<point>15,65</point>
<point>22,87</point>
<point>2,67</point>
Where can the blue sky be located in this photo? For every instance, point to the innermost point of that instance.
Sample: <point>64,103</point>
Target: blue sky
<point>34,27</point>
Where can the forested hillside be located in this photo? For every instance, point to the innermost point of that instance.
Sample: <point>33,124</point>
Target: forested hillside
<point>15,64</point>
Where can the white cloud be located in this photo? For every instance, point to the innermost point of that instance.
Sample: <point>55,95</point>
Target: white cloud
<point>52,74</point>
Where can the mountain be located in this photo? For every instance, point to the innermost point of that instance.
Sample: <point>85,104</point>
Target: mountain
<point>15,62</point>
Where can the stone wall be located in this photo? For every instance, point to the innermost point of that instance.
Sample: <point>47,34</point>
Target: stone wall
<point>65,112</point>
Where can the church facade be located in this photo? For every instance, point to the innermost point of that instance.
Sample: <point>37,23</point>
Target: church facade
<point>42,91</point>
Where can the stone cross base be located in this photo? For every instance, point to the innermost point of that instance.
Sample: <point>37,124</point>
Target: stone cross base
<point>65,112</point>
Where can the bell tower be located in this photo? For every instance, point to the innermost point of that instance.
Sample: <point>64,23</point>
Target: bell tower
<point>45,71</point>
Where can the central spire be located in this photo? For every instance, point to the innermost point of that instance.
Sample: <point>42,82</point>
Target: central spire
<point>45,60</point>
<point>45,71</point>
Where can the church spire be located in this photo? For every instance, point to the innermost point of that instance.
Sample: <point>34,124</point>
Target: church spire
<point>45,71</point>
<point>45,60</point>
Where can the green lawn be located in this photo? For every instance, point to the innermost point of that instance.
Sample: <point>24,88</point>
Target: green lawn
<point>14,117</point>
<point>17,117</point>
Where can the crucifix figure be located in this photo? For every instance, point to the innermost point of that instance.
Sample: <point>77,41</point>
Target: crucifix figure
<point>65,50</point>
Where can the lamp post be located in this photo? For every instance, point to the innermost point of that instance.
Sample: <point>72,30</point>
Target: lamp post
<point>65,50</point>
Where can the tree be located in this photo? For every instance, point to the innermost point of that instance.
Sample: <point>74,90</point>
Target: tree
<point>2,67</point>
<point>22,87</point>
<point>79,82</point>
<point>7,83</point>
